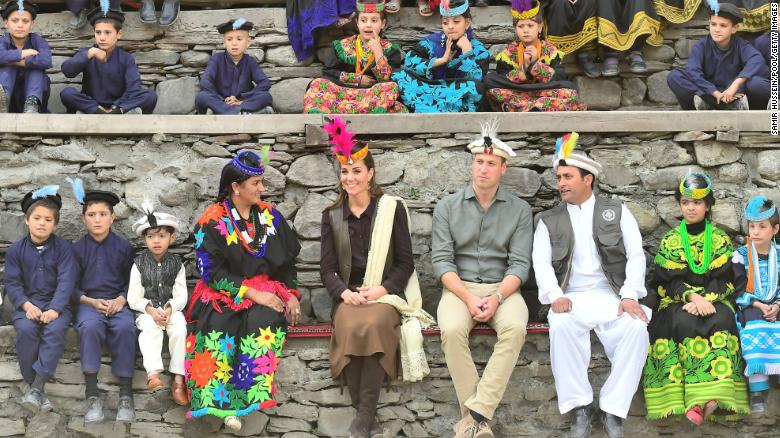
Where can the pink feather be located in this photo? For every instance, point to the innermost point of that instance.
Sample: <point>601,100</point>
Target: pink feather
<point>342,140</point>
<point>445,4</point>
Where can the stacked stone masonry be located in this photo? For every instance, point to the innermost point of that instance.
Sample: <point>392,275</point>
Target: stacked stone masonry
<point>170,60</point>
<point>182,171</point>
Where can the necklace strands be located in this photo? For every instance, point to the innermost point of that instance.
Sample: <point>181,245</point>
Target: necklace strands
<point>362,62</point>
<point>698,269</point>
<point>252,245</point>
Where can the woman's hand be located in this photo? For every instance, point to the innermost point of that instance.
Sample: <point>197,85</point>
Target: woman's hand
<point>691,308</point>
<point>375,45</point>
<point>267,299</point>
<point>447,56</point>
<point>352,298</point>
<point>372,293</point>
<point>704,307</point>
<point>293,312</point>
<point>770,313</point>
<point>367,81</point>
<point>464,44</point>
<point>530,56</point>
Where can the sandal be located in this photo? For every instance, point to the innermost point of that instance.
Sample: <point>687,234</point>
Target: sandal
<point>343,21</point>
<point>393,6</point>
<point>695,415</point>
<point>153,383</point>
<point>710,408</point>
<point>424,8</point>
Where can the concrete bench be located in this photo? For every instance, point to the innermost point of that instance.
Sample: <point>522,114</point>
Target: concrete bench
<point>325,330</point>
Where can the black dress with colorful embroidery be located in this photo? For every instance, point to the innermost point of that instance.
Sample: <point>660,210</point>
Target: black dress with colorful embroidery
<point>234,345</point>
<point>338,91</point>
<point>542,86</point>
<point>694,359</point>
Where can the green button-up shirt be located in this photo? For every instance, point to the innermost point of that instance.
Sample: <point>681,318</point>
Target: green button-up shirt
<point>482,246</point>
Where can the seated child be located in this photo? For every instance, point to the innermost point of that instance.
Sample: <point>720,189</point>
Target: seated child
<point>529,72</point>
<point>356,77</point>
<point>158,293</point>
<point>24,58</point>
<point>724,72</point>
<point>756,275</point>
<point>443,73</point>
<point>763,43</point>
<point>233,82</point>
<point>39,280</point>
<point>103,264</point>
<point>110,83</point>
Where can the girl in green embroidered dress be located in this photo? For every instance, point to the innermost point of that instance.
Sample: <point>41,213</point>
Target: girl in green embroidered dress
<point>695,365</point>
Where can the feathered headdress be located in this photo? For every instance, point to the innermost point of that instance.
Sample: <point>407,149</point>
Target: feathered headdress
<point>565,145</point>
<point>714,6</point>
<point>105,5</point>
<point>525,9</point>
<point>565,155</point>
<point>20,6</point>
<point>50,190</point>
<point>342,141</point>
<point>488,142</point>
<point>754,206</point>
<point>238,22</point>
<point>453,8</point>
<point>153,219</point>
<point>695,185</point>
<point>78,188</point>
<point>45,192</point>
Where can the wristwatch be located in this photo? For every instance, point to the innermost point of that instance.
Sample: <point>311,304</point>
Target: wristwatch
<point>500,298</point>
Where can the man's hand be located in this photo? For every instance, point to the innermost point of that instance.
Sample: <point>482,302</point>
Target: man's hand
<point>232,101</point>
<point>561,305</point>
<point>31,311</point>
<point>489,306</point>
<point>26,53</point>
<point>49,316</point>
<point>115,305</point>
<point>97,53</point>
<point>633,308</point>
<point>100,305</point>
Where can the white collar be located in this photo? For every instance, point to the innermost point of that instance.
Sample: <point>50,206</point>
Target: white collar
<point>585,207</point>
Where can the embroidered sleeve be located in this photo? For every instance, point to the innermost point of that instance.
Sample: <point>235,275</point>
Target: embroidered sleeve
<point>472,64</point>
<point>382,70</point>
<point>350,78</point>
<point>505,65</point>
<point>212,243</point>
<point>541,72</point>
<point>419,60</point>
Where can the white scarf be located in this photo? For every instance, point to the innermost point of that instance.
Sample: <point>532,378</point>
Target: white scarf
<point>413,317</point>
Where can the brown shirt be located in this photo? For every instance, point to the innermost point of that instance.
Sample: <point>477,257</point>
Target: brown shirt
<point>394,280</point>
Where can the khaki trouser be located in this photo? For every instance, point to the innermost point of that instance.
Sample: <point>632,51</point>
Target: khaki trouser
<point>510,321</point>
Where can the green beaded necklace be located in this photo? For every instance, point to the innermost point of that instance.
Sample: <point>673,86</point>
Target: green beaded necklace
<point>705,264</point>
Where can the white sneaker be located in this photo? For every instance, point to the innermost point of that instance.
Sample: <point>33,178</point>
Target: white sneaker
<point>233,423</point>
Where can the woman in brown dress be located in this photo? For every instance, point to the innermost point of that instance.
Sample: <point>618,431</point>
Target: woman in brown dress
<point>364,345</point>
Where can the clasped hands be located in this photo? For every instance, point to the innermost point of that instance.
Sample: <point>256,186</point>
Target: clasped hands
<point>768,311</point>
<point>698,306</point>
<point>363,295</point>
<point>627,305</point>
<point>482,309</point>
<point>33,313</point>
<point>292,310</point>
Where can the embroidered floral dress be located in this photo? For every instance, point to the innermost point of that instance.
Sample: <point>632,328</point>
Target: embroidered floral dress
<point>234,345</point>
<point>454,87</point>
<point>339,90</point>
<point>758,336</point>
<point>693,359</point>
<point>542,87</point>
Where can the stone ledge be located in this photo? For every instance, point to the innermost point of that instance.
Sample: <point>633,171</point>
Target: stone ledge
<point>588,121</point>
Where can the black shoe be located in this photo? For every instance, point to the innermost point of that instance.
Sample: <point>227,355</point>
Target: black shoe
<point>590,69</point>
<point>32,105</point>
<point>169,12</point>
<point>757,402</point>
<point>580,422</point>
<point>147,13</point>
<point>613,425</point>
<point>32,400</point>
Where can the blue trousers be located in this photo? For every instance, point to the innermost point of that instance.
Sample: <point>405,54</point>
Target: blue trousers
<point>39,346</point>
<point>76,6</point>
<point>117,331</point>
<point>75,100</point>
<point>20,83</point>
<point>681,84</point>
<point>207,100</point>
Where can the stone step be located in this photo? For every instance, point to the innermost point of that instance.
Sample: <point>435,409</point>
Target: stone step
<point>588,121</point>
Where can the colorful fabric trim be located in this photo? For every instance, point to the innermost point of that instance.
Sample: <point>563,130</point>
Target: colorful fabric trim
<point>699,193</point>
<point>547,54</point>
<point>762,285</point>
<point>229,377</point>
<point>445,9</point>
<point>245,168</point>
<point>753,208</point>
<point>324,96</point>
<point>679,376</point>
<point>370,5</point>
<point>526,14</point>
<point>346,49</point>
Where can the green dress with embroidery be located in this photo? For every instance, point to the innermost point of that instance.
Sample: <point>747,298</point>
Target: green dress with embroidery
<point>693,359</point>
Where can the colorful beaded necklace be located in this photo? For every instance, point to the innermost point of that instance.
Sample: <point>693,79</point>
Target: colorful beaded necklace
<point>252,225</point>
<point>363,62</point>
<point>686,243</point>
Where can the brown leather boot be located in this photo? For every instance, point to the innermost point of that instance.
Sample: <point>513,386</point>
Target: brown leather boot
<point>371,380</point>
<point>352,374</point>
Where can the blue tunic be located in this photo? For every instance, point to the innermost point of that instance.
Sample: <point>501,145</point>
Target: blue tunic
<point>455,87</point>
<point>115,82</point>
<point>763,45</point>
<point>104,273</point>
<point>224,78</point>
<point>44,275</point>
<point>711,69</point>
<point>31,80</point>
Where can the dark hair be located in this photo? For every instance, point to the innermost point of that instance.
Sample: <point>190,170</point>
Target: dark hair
<point>373,188</point>
<point>382,15</point>
<point>775,218</point>
<point>46,203</point>
<point>167,228</point>
<point>231,174</point>
<point>586,172</point>
<point>117,25</point>
<point>86,205</point>
<point>696,181</point>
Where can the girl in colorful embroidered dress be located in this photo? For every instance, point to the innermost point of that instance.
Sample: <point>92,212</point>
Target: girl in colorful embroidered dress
<point>756,275</point>
<point>529,72</point>
<point>444,72</point>
<point>356,77</point>
<point>694,366</point>
<point>246,257</point>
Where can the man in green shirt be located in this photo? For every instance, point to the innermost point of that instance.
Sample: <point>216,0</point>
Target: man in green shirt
<point>481,252</point>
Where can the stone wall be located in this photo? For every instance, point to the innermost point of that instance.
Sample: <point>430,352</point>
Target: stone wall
<point>182,172</point>
<point>170,60</point>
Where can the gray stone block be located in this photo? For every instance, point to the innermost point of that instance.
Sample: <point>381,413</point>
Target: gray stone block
<point>313,171</point>
<point>55,103</point>
<point>683,47</point>
<point>634,91</point>
<point>661,53</point>
<point>769,164</point>
<point>598,94</point>
<point>192,58</point>
<point>322,304</point>
<point>714,153</point>
<point>334,421</point>
<point>288,95</point>
<point>308,218</point>
<point>658,90</point>
<point>177,96</point>
<point>156,57</point>
<point>284,56</point>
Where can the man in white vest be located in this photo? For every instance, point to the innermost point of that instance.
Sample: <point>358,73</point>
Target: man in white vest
<point>590,267</point>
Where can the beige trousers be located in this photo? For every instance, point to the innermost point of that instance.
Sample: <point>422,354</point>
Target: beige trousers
<point>150,340</point>
<point>510,321</point>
